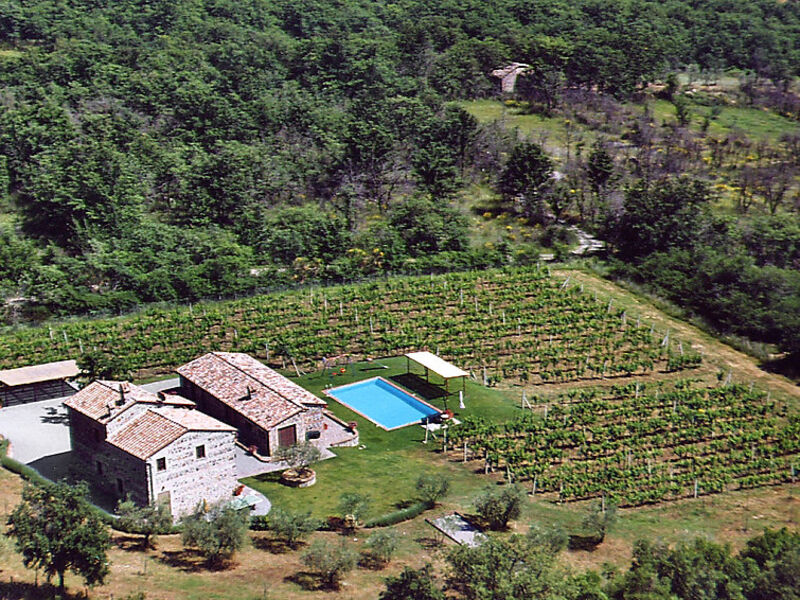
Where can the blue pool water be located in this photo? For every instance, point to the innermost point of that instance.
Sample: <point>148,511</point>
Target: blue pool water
<point>382,403</point>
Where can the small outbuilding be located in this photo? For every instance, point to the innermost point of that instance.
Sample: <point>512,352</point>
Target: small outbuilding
<point>37,382</point>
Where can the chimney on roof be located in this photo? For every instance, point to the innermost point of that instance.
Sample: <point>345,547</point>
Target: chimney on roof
<point>122,390</point>
<point>248,395</point>
<point>161,397</point>
<point>109,408</point>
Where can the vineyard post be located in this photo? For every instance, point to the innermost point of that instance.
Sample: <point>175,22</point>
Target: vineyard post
<point>680,347</point>
<point>294,364</point>
<point>80,344</point>
<point>461,297</point>
<point>637,389</point>
<point>485,378</point>
<point>266,348</point>
<point>371,330</point>
<point>533,489</point>
<point>545,412</point>
<point>341,309</point>
<point>695,488</point>
<point>465,451</point>
<point>603,503</point>
<point>356,315</point>
<point>51,333</point>
<point>66,340</point>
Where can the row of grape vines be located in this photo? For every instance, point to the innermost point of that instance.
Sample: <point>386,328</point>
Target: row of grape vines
<point>515,323</point>
<point>636,444</point>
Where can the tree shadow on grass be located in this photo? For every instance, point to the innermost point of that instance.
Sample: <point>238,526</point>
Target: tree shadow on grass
<point>190,560</point>
<point>310,582</point>
<point>371,562</point>
<point>23,590</point>
<point>129,543</point>
<point>275,546</point>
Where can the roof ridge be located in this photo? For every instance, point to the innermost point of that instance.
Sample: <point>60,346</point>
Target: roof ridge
<point>269,387</point>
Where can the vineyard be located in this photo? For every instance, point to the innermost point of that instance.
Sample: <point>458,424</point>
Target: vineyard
<point>520,324</point>
<point>636,444</point>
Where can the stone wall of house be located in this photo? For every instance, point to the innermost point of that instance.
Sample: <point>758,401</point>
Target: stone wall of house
<point>104,466</point>
<point>188,480</point>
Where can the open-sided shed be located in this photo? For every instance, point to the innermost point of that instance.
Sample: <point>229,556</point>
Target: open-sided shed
<point>433,364</point>
<point>37,382</point>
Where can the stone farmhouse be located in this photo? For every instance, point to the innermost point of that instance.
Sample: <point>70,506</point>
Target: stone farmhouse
<point>155,447</point>
<point>268,410</point>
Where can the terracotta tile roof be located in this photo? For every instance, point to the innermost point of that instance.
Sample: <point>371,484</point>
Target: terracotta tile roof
<point>105,400</point>
<point>241,382</point>
<point>147,434</point>
<point>193,420</point>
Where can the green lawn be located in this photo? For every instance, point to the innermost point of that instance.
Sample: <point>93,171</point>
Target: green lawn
<point>390,462</point>
<point>754,122</point>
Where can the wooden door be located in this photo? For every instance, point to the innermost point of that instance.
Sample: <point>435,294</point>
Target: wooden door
<point>287,436</point>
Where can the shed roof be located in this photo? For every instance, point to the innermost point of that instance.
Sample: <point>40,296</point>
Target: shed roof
<point>252,389</point>
<point>438,365</point>
<point>38,373</point>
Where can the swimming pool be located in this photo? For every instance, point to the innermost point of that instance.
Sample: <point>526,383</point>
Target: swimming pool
<point>383,403</point>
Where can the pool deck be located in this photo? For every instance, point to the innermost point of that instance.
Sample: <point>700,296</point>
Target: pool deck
<point>370,419</point>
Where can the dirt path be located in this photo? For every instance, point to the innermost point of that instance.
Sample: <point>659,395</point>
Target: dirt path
<point>717,355</point>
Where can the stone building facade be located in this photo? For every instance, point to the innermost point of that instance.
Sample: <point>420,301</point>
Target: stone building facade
<point>153,447</point>
<point>267,409</point>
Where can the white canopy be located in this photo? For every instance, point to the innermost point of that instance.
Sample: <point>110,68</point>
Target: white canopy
<point>38,373</point>
<point>433,363</point>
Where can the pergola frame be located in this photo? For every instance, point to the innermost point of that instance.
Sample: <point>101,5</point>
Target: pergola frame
<point>433,364</point>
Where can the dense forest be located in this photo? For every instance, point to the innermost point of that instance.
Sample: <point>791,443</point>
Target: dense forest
<point>171,151</point>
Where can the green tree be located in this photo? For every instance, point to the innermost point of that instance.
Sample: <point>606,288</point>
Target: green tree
<point>499,505</point>
<point>382,545</point>
<point>525,177</point>
<point>96,364</point>
<point>428,227</point>
<point>146,521</point>
<point>599,520</point>
<point>354,507</point>
<point>412,584</point>
<point>298,456</point>
<point>502,569</point>
<point>218,533</point>
<point>330,561</point>
<point>291,527</point>
<point>55,529</point>
<point>432,487</point>
<point>668,214</point>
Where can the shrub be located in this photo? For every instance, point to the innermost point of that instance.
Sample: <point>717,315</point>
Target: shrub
<point>432,487</point>
<point>146,521</point>
<point>330,561</point>
<point>355,506</point>
<point>382,545</point>
<point>498,506</point>
<point>291,527</point>
<point>218,534</point>
<point>412,584</point>
<point>551,539</point>
<point>398,516</point>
